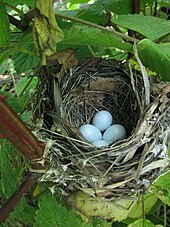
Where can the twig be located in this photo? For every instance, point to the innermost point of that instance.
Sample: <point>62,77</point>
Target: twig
<point>144,75</point>
<point>30,15</point>
<point>123,36</point>
<point>14,199</point>
<point>17,23</point>
<point>136,6</point>
<point>22,24</point>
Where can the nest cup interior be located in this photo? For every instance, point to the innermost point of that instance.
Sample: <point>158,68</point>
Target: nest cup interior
<point>103,85</point>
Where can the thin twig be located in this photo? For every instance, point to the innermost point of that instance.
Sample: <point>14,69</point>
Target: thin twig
<point>30,15</point>
<point>144,75</point>
<point>123,36</point>
<point>136,6</point>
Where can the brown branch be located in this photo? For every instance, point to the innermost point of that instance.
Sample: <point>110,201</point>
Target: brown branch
<point>136,6</point>
<point>14,199</point>
<point>15,130</point>
<point>27,18</point>
<point>16,23</point>
<point>135,10</point>
<point>22,24</point>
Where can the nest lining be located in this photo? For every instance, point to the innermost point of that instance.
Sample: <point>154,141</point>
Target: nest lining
<point>126,166</point>
<point>81,105</point>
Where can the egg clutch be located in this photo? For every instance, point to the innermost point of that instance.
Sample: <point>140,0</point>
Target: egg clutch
<point>101,132</point>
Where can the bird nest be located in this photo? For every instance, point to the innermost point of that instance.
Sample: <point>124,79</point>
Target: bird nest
<point>127,166</point>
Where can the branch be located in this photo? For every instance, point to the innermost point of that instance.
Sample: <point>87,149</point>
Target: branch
<point>17,23</point>
<point>14,199</point>
<point>77,20</point>
<point>14,129</point>
<point>22,24</point>
<point>136,6</point>
<point>31,14</point>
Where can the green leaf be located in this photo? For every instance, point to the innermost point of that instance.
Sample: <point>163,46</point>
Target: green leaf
<point>4,26</point>
<point>52,213</point>
<point>26,84</point>
<point>84,35</point>
<point>24,89</point>
<point>96,12</point>
<point>143,3</point>
<point>23,214</point>
<point>156,57</point>
<point>152,28</point>
<point>5,54</point>
<point>149,201</point>
<point>9,173</point>
<point>25,59</point>
<point>166,48</point>
<point>102,223</point>
<point>12,101</point>
<point>161,187</point>
<point>79,1</point>
<point>90,14</point>
<point>141,223</point>
<point>164,3</point>
<point>117,210</point>
<point>82,52</point>
<point>163,181</point>
<point>20,2</point>
<point>116,6</point>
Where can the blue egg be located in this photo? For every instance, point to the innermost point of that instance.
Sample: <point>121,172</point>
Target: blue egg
<point>114,133</point>
<point>102,120</point>
<point>90,132</point>
<point>100,143</point>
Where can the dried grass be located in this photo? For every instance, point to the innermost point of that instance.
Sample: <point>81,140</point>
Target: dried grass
<point>126,167</point>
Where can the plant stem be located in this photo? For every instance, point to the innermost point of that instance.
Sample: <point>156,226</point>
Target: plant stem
<point>15,130</point>
<point>123,36</point>
<point>136,6</point>
<point>16,23</point>
<point>14,199</point>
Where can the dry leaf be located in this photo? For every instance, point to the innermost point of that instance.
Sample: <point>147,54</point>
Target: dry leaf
<point>45,30</point>
<point>66,58</point>
<point>105,84</point>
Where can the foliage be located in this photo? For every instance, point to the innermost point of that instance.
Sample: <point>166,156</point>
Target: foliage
<point>161,188</point>
<point>102,28</point>
<point>141,223</point>
<point>155,56</point>
<point>150,27</point>
<point>4,28</point>
<point>51,213</point>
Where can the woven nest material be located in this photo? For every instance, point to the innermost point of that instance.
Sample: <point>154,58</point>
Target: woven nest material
<point>125,167</point>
